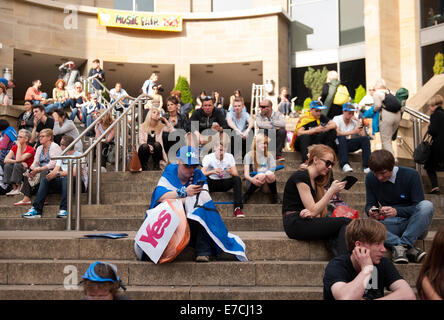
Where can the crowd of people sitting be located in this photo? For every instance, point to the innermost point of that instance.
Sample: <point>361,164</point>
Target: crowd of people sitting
<point>398,214</point>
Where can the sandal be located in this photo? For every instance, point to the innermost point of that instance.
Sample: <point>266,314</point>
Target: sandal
<point>23,203</point>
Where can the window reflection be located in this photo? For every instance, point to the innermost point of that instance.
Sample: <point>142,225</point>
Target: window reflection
<point>432,13</point>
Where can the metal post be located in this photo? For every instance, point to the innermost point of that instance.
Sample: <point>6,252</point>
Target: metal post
<point>99,165</point>
<point>140,113</point>
<point>117,143</point>
<point>90,173</point>
<point>133,125</point>
<point>69,195</point>
<point>125,142</point>
<point>78,191</point>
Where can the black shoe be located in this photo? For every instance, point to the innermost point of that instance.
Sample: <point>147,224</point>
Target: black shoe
<point>275,199</point>
<point>415,255</point>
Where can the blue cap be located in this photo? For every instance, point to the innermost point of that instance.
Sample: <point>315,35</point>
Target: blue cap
<point>317,105</point>
<point>188,155</point>
<point>90,273</point>
<point>349,107</point>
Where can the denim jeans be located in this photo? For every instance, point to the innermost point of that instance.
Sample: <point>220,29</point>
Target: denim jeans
<point>56,185</point>
<point>405,231</point>
<point>57,105</point>
<point>38,102</point>
<point>75,112</point>
<point>351,145</point>
<point>285,108</point>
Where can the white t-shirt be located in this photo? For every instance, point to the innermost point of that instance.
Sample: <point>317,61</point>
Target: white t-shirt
<point>339,120</point>
<point>210,161</point>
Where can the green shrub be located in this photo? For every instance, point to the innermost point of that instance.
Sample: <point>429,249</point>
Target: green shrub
<point>359,93</point>
<point>306,105</point>
<point>438,68</point>
<point>314,80</point>
<point>183,86</point>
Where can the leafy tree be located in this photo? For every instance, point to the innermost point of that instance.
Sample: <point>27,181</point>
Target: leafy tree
<point>183,86</point>
<point>314,79</point>
<point>359,93</point>
<point>438,68</point>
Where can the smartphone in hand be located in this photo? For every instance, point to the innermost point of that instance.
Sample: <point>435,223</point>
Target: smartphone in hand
<point>200,183</point>
<point>350,181</point>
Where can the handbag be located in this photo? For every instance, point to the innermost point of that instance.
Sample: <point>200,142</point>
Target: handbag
<point>134,164</point>
<point>423,150</point>
<point>34,180</point>
<point>344,211</point>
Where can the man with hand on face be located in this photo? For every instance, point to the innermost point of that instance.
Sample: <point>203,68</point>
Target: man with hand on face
<point>41,121</point>
<point>395,197</point>
<point>365,272</point>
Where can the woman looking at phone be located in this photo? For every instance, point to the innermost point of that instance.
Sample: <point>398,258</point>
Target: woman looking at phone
<point>305,202</point>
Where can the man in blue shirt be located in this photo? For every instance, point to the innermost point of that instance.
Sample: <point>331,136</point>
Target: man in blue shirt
<point>98,73</point>
<point>395,197</point>
<point>9,84</point>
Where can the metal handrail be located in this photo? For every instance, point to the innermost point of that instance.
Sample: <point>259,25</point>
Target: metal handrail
<point>98,143</point>
<point>417,114</point>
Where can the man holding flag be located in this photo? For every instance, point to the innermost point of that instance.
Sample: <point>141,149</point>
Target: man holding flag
<point>313,128</point>
<point>183,180</point>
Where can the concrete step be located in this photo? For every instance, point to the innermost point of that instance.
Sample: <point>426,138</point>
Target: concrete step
<point>190,292</point>
<point>183,273</point>
<point>73,245</point>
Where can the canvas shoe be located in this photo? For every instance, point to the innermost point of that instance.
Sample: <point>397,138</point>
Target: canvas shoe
<point>62,214</point>
<point>399,254</point>
<point>347,168</point>
<point>238,213</point>
<point>31,214</point>
<point>415,254</point>
<point>13,192</point>
<point>202,259</point>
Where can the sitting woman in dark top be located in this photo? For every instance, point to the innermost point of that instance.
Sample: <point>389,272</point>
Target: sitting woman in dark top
<point>179,124</point>
<point>305,202</point>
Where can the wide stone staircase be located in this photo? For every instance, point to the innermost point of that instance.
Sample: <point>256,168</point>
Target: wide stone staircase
<point>39,259</point>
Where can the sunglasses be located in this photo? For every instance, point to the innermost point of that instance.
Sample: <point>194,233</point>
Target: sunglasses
<point>262,107</point>
<point>189,166</point>
<point>328,163</point>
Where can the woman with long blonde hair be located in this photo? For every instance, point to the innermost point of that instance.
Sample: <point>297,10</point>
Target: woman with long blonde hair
<point>262,162</point>
<point>150,139</point>
<point>305,202</point>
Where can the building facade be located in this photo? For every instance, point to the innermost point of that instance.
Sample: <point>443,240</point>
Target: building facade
<point>226,45</point>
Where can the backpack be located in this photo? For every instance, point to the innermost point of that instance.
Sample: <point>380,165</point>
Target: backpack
<point>391,103</point>
<point>341,96</point>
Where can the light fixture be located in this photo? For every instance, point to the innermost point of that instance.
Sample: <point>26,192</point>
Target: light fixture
<point>269,86</point>
<point>7,74</point>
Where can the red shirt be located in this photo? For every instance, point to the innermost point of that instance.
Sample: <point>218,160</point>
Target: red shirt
<point>28,149</point>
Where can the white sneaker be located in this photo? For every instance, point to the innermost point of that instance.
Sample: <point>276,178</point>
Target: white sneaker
<point>347,168</point>
<point>367,170</point>
<point>13,192</point>
<point>103,169</point>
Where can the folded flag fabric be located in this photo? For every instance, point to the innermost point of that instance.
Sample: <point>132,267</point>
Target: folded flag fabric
<point>200,208</point>
<point>304,119</point>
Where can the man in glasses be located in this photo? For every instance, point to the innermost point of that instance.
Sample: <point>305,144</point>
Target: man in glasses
<point>207,121</point>
<point>269,120</point>
<point>351,137</point>
<point>186,182</point>
<point>314,128</point>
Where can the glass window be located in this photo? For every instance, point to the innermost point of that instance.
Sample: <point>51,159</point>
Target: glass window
<point>428,59</point>
<point>315,24</point>
<point>229,5</point>
<point>351,21</point>
<point>432,12</point>
<point>123,4</point>
<point>353,75</point>
<point>134,5</point>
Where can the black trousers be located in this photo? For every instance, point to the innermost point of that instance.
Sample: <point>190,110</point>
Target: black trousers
<point>330,229</point>
<point>144,154</point>
<point>304,141</point>
<point>279,140</point>
<point>223,185</point>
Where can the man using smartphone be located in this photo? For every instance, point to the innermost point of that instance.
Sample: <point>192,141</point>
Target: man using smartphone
<point>403,211</point>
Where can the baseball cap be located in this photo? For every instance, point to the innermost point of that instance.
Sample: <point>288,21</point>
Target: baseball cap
<point>349,107</point>
<point>317,105</point>
<point>91,274</point>
<point>188,155</point>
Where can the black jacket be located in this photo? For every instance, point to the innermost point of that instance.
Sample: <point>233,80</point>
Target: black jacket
<point>436,130</point>
<point>205,122</point>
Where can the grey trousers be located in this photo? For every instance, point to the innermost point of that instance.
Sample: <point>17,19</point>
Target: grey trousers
<point>13,173</point>
<point>388,123</point>
<point>26,187</point>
